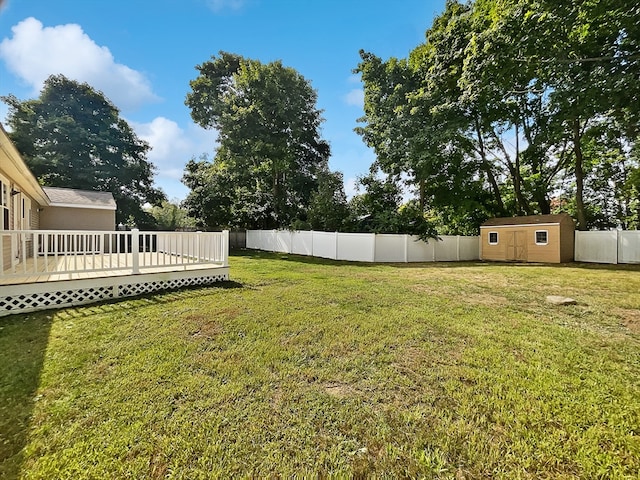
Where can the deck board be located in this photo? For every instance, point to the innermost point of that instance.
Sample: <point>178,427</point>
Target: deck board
<point>41,269</point>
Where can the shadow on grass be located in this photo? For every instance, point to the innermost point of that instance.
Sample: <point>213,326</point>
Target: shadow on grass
<point>23,345</point>
<point>134,302</point>
<point>245,253</point>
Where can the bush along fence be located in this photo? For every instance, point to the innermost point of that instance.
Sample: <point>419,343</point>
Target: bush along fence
<point>365,247</point>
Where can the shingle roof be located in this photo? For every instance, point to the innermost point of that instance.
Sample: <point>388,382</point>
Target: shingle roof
<point>527,220</point>
<point>70,197</point>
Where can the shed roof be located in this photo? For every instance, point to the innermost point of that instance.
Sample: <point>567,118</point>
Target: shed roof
<point>527,220</point>
<point>73,198</point>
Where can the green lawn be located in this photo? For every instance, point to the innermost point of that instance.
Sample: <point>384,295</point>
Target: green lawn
<point>308,367</point>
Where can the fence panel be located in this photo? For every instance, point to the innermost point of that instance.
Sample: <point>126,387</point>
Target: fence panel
<point>254,239</point>
<point>629,246</point>
<point>446,248</point>
<point>391,248</point>
<point>282,241</point>
<point>596,247</point>
<point>356,247</point>
<point>419,251</point>
<point>469,249</point>
<point>325,245</point>
<point>302,243</point>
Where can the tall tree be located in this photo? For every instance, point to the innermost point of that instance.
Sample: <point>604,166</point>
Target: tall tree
<point>508,97</point>
<point>328,207</point>
<point>270,150</point>
<point>73,136</point>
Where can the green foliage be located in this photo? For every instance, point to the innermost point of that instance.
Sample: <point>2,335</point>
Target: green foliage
<point>170,216</point>
<point>72,136</point>
<point>270,152</point>
<point>313,368</point>
<point>496,113</point>
<point>379,209</point>
<point>328,207</point>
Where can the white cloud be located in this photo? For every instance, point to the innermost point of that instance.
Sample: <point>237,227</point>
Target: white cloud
<point>171,148</point>
<point>35,52</point>
<point>219,5</point>
<point>351,187</point>
<point>355,97</point>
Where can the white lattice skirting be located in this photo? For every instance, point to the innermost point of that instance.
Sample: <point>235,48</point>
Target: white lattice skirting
<point>66,293</point>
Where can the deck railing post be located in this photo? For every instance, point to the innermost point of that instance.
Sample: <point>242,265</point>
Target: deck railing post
<point>225,248</point>
<point>135,250</point>
<point>199,255</point>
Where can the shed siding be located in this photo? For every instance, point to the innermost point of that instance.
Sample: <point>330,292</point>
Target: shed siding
<point>517,239</point>
<point>549,253</point>
<point>567,238</point>
<point>492,252</point>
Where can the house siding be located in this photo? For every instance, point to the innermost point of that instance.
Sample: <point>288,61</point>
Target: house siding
<point>65,218</point>
<point>6,251</point>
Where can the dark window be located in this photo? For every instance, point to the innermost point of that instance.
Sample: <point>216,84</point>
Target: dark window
<point>542,237</point>
<point>493,238</point>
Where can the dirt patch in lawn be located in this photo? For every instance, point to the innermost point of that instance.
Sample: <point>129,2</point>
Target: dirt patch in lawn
<point>630,318</point>
<point>339,390</point>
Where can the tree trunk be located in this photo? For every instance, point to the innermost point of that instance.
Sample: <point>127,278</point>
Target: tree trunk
<point>579,172</point>
<point>486,166</point>
<point>517,179</point>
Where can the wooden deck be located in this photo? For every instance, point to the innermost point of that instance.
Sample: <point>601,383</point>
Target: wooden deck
<point>71,267</point>
<point>51,269</point>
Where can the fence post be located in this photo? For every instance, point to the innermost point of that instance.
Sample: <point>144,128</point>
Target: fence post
<point>135,250</point>
<point>225,248</point>
<point>373,249</point>
<point>406,248</point>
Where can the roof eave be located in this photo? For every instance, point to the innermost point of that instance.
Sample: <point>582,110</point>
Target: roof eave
<point>18,170</point>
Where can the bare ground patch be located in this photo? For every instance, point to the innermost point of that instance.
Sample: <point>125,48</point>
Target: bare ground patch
<point>629,318</point>
<point>339,389</point>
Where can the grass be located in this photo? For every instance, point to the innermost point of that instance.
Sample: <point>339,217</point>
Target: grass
<point>305,367</point>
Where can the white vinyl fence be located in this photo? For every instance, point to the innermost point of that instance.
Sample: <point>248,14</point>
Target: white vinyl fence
<point>613,246</point>
<point>365,247</point>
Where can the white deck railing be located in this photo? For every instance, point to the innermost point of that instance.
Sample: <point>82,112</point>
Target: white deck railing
<point>27,253</point>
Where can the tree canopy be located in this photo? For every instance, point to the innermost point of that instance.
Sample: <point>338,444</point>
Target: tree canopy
<point>270,153</point>
<point>72,136</point>
<point>514,107</point>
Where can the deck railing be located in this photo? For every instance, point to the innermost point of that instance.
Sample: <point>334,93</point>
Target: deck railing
<point>27,253</point>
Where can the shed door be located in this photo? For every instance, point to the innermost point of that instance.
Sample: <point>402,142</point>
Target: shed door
<point>517,246</point>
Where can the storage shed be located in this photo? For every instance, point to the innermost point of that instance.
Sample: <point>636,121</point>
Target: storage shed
<point>533,238</point>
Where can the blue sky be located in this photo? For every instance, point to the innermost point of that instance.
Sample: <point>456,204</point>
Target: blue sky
<point>142,54</point>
